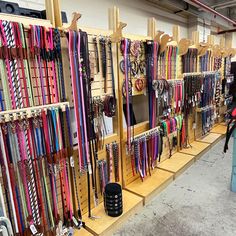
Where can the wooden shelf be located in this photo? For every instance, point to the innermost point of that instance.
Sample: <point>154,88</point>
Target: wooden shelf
<point>106,225</point>
<point>210,138</point>
<point>152,185</point>
<point>197,149</point>
<point>219,129</point>
<point>82,232</point>
<point>177,164</point>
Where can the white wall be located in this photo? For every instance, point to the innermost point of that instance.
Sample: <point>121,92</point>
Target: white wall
<point>134,12</point>
<point>95,14</point>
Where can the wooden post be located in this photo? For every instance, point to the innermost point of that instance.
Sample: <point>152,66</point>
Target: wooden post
<point>151,27</point>
<point>195,37</point>
<point>176,33</point>
<point>211,40</point>
<point>50,11</point>
<point>222,42</point>
<point>57,13</point>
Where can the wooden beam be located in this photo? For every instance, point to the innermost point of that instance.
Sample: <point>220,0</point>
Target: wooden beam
<point>176,33</point>
<point>195,37</point>
<point>57,13</point>
<point>151,27</point>
<point>50,11</point>
<point>211,39</point>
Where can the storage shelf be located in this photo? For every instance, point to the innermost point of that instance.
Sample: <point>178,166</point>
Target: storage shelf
<point>177,164</point>
<point>197,149</point>
<point>219,129</point>
<point>210,138</point>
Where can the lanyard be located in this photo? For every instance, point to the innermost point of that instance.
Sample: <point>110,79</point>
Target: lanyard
<point>10,190</point>
<point>58,57</point>
<point>125,46</point>
<point>50,161</point>
<point>102,43</point>
<point>75,96</point>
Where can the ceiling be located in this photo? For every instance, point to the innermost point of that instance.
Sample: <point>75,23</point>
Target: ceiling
<point>186,8</point>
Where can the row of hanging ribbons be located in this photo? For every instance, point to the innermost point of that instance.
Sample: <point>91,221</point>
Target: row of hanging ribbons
<point>31,66</point>
<point>168,63</point>
<point>208,117</point>
<point>147,151</point>
<point>109,167</point>
<point>88,110</point>
<point>31,151</point>
<point>190,60</point>
<point>208,62</point>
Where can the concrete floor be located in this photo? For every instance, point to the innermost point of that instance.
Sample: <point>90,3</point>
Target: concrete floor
<point>199,202</point>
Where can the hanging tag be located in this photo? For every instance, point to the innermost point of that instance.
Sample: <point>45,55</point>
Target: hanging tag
<point>33,229</point>
<point>169,110</point>
<point>72,163</point>
<point>75,221</point>
<point>174,104</point>
<point>193,104</point>
<point>156,92</point>
<point>179,103</point>
<point>89,169</point>
<point>196,97</point>
<point>194,125</point>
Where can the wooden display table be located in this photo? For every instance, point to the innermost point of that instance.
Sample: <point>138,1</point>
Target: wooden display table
<point>197,149</point>
<point>211,138</point>
<point>106,225</point>
<point>219,129</point>
<point>177,164</point>
<point>152,185</point>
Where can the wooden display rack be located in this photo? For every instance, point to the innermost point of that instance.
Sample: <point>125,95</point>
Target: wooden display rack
<point>159,179</point>
<point>135,193</point>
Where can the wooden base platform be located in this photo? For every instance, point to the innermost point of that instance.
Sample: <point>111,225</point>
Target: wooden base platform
<point>197,149</point>
<point>106,225</point>
<point>82,232</point>
<point>210,138</point>
<point>177,164</point>
<point>151,185</point>
<point>219,129</point>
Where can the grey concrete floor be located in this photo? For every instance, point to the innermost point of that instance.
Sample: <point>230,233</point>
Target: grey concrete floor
<point>199,202</point>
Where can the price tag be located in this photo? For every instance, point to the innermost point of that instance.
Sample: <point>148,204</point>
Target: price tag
<point>33,229</point>
<point>72,163</point>
<point>156,92</point>
<point>174,104</point>
<point>89,169</point>
<point>194,125</point>
<point>179,103</point>
<point>75,221</point>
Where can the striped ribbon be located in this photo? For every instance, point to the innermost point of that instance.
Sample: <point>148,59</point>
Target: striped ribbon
<point>22,133</point>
